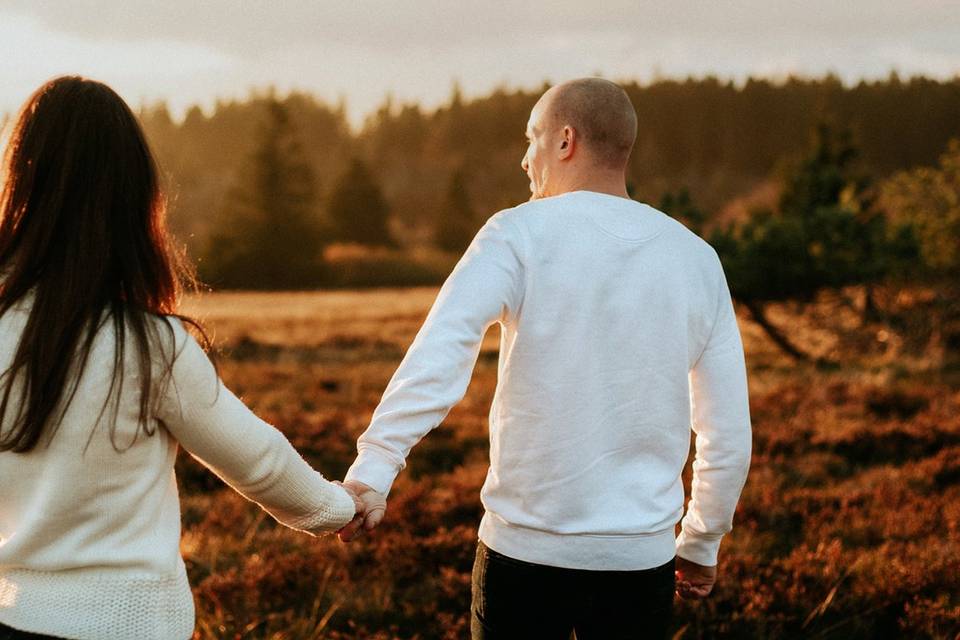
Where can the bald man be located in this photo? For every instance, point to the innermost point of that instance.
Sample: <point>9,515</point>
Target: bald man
<point>618,336</point>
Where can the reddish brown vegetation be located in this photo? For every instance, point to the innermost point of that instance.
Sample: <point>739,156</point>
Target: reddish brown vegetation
<point>849,525</point>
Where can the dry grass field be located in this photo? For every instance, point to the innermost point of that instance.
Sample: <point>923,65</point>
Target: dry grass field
<point>848,527</point>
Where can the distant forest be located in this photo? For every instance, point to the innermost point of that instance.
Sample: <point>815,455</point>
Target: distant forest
<point>717,140</point>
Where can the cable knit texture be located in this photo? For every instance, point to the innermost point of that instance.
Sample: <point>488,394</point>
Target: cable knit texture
<point>618,336</point>
<point>89,536</point>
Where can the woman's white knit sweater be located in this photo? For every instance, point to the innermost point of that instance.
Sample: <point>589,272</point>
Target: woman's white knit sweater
<point>89,536</point>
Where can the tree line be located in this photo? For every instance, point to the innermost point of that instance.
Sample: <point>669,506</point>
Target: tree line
<point>864,185</point>
<point>718,140</point>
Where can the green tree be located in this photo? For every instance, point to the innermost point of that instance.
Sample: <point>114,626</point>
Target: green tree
<point>718,138</point>
<point>358,210</point>
<point>929,197</point>
<point>456,225</point>
<point>680,205</point>
<point>270,233</point>
<point>828,232</point>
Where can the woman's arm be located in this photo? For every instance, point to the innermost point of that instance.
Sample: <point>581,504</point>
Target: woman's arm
<point>251,456</point>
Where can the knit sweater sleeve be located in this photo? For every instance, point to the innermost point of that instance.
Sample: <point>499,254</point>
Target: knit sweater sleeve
<point>485,287</point>
<point>251,456</point>
<point>720,413</point>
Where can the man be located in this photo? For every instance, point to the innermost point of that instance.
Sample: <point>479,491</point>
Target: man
<point>618,336</point>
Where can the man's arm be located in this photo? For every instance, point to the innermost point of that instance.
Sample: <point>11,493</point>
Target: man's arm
<point>720,413</point>
<point>485,287</point>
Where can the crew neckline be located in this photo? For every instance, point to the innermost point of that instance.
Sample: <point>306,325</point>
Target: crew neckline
<point>648,217</point>
<point>600,193</point>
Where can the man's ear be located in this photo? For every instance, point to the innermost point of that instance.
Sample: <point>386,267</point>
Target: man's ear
<point>568,141</point>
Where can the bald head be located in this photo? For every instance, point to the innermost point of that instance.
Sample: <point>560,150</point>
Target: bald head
<point>600,112</point>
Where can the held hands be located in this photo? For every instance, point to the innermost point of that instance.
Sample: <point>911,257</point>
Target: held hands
<point>694,581</point>
<point>357,502</point>
<point>371,507</point>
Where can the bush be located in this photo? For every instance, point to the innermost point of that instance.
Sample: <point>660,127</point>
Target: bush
<point>353,267</point>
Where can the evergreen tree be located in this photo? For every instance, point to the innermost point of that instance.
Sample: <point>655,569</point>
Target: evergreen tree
<point>929,197</point>
<point>270,233</point>
<point>680,205</point>
<point>456,226</point>
<point>358,210</point>
<point>828,232</point>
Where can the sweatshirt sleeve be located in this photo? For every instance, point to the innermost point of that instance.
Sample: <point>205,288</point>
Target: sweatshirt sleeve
<point>720,413</point>
<point>251,456</point>
<point>485,287</point>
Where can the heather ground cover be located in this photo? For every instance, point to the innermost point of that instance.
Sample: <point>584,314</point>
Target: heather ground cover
<point>848,527</point>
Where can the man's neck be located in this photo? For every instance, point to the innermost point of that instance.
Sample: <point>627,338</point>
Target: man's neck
<point>614,185</point>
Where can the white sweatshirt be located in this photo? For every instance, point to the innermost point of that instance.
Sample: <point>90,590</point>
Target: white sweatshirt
<point>618,337</point>
<point>90,537</point>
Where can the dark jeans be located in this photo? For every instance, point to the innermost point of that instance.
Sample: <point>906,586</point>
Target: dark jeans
<point>516,599</point>
<point>9,633</point>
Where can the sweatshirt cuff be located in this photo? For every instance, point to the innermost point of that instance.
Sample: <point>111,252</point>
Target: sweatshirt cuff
<point>374,470</point>
<point>702,548</point>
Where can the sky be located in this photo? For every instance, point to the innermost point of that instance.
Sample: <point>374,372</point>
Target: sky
<point>195,52</point>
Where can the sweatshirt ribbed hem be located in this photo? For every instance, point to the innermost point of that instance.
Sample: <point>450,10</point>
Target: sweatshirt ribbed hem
<point>97,604</point>
<point>579,551</point>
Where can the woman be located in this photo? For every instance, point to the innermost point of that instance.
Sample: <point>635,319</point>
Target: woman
<point>101,381</point>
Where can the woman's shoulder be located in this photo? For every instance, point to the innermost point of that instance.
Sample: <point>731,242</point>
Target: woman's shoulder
<point>171,335</point>
<point>170,326</point>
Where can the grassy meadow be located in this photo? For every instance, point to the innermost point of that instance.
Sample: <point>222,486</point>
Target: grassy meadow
<point>848,527</point>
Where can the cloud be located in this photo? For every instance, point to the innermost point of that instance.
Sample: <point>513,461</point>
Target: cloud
<point>195,51</point>
<point>33,53</point>
<point>254,26</point>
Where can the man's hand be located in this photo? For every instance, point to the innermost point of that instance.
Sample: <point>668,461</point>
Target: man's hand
<point>694,581</point>
<point>358,504</point>
<point>373,506</point>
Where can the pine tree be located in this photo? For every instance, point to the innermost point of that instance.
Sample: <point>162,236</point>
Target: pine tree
<point>929,197</point>
<point>827,232</point>
<point>456,226</point>
<point>358,210</point>
<point>271,232</point>
<point>680,205</point>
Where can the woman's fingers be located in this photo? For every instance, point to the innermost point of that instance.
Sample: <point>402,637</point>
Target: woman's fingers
<point>352,529</point>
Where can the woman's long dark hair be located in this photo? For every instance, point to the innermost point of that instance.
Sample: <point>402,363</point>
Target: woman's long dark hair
<point>82,230</point>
